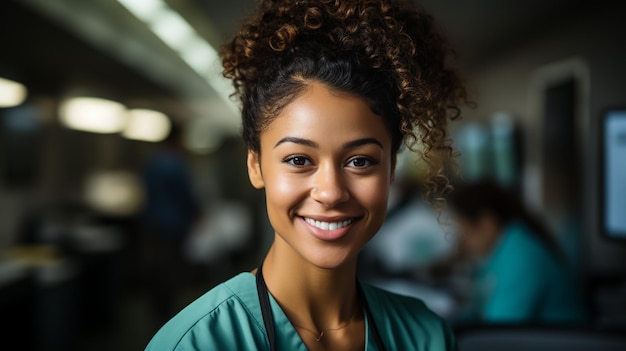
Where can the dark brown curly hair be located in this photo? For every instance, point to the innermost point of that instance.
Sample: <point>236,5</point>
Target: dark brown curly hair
<point>390,53</point>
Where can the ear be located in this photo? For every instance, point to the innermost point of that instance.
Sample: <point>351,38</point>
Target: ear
<point>254,170</point>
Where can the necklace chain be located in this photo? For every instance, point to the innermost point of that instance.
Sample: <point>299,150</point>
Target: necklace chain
<point>318,336</point>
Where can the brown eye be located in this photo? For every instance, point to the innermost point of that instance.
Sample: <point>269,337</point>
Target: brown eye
<point>298,161</point>
<point>361,162</point>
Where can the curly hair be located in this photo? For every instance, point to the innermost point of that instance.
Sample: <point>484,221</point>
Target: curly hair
<point>390,53</point>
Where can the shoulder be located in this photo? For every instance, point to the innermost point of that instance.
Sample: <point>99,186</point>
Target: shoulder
<point>399,308</point>
<point>519,253</point>
<point>518,233</point>
<point>405,322</point>
<point>225,316</point>
<point>519,243</point>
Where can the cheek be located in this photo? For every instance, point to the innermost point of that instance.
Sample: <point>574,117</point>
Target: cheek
<point>282,187</point>
<point>373,195</point>
<point>471,240</point>
<point>283,191</point>
<point>468,241</point>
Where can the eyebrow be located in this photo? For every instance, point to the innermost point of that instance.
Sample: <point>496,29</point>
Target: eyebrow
<point>361,142</point>
<point>311,143</point>
<point>305,142</point>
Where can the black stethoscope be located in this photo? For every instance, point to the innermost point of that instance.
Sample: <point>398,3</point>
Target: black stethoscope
<point>268,319</point>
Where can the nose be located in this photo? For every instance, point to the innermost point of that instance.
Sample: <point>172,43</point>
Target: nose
<point>329,186</point>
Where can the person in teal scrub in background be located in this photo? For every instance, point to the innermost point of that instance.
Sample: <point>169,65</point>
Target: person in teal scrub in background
<point>522,275</point>
<point>330,90</point>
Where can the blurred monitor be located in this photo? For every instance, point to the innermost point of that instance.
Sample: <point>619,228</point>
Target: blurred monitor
<point>613,173</point>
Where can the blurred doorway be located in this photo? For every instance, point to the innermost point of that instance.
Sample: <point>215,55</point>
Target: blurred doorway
<point>561,98</point>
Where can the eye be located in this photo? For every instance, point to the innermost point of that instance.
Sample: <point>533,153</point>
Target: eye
<point>298,161</point>
<point>361,162</point>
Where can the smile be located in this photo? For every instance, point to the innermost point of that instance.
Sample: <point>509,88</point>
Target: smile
<point>328,225</point>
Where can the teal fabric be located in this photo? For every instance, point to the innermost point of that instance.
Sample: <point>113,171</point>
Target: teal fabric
<point>228,317</point>
<point>522,282</point>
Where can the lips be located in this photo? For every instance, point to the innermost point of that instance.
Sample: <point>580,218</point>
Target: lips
<point>328,225</point>
<point>329,229</point>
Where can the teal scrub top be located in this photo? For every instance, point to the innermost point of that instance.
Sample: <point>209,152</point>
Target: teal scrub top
<point>228,317</point>
<point>522,282</point>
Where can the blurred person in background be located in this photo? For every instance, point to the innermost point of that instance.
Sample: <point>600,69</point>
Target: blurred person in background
<point>411,237</point>
<point>329,92</point>
<point>521,275</point>
<point>171,210</point>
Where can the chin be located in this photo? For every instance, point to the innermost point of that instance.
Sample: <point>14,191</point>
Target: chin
<point>331,261</point>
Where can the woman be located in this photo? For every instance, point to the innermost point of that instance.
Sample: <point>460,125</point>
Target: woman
<point>522,275</point>
<point>329,92</point>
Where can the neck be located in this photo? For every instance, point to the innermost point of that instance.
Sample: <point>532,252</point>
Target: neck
<point>313,297</point>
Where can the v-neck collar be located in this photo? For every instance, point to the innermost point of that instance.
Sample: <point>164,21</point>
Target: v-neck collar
<point>287,336</point>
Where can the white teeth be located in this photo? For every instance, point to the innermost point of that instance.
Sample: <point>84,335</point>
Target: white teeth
<point>328,225</point>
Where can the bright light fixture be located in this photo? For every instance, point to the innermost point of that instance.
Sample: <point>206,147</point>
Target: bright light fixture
<point>11,93</point>
<point>143,9</point>
<point>180,36</point>
<point>94,115</point>
<point>172,28</point>
<point>146,125</point>
<point>199,55</point>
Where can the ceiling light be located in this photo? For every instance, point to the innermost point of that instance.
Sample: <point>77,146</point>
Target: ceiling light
<point>146,125</point>
<point>170,27</point>
<point>11,93</point>
<point>181,37</point>
<point>93,115</point>
<point>199,55</point>
<point>143,9</point>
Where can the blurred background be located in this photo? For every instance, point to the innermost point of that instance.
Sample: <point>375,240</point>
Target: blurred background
<point>124,193</point>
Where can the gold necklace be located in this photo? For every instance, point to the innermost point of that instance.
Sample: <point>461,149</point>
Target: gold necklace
<point>318,336</point>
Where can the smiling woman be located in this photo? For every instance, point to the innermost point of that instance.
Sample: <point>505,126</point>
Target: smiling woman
<point>315,178</point>
<point>330,90</point>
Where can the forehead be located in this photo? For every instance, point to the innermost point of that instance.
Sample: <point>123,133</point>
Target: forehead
<point>328,115</point>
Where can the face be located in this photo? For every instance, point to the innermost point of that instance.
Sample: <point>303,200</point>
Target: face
<point>477,236</point>
<point>326,166</point>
